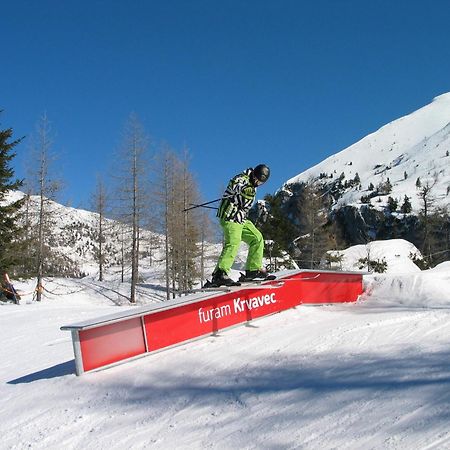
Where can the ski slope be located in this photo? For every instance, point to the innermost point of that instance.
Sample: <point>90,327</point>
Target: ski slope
<point>370,375</point>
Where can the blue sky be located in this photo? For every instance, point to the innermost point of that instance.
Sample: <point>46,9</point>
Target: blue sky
<point>285,83</point>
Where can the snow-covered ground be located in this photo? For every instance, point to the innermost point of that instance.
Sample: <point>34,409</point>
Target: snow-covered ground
<point>371,375</point>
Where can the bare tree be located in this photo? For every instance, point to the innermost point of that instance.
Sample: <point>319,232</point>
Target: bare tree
<point>175,191</point>
<point>425,194</point>
<point>100,200</point>
<point>190,235</point>
<point>42,183</point>
<point>132,173</point>
<point>163,194</point>
<point>314,241</point>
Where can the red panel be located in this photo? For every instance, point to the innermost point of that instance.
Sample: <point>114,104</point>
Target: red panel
<point>182,323</point>
<point>111,343</point>
<point>186,322</point>
<point>323,287</point>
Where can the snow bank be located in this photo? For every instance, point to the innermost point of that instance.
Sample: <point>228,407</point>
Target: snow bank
<point>395,252</point>
<point>403,283</point>
<point>427,289</point>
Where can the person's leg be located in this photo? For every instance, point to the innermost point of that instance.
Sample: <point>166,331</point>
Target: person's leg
<point>254,239</point>
<point>232,233</point>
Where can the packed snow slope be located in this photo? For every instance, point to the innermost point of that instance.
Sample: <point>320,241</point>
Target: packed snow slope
<point>370,375</point>
<point>414,146</point>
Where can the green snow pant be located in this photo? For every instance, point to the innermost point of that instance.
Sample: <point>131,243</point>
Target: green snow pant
<point>233,234</point>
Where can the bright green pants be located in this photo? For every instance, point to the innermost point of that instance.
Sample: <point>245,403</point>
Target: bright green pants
<point>233,234</point>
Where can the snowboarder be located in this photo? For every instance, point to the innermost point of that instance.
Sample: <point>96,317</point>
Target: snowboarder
<point>232,213</point>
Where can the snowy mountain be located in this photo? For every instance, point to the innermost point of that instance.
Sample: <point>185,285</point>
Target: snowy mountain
<point>73,235</point>
<point>378,188</point>
<point>412,147</point>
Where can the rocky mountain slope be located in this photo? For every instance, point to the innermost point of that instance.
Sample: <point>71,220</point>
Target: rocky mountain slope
<point>377,188</point>
<point>413,147</point>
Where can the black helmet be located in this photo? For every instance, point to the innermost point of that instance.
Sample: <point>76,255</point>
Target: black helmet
<point>261,172</point>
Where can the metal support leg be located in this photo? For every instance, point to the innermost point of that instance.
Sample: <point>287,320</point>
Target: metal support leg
<point>77,352</point>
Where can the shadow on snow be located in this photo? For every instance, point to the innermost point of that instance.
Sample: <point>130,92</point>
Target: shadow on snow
<point>59,370</point>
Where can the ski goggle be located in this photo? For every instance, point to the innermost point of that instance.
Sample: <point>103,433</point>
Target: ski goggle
<point>256,181</point>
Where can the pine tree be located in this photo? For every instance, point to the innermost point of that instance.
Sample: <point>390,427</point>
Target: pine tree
<point>8,213</point>
<point>277,226</point>
<point>392,204</point>
<point>406,206</point>
<point>384,187</point>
